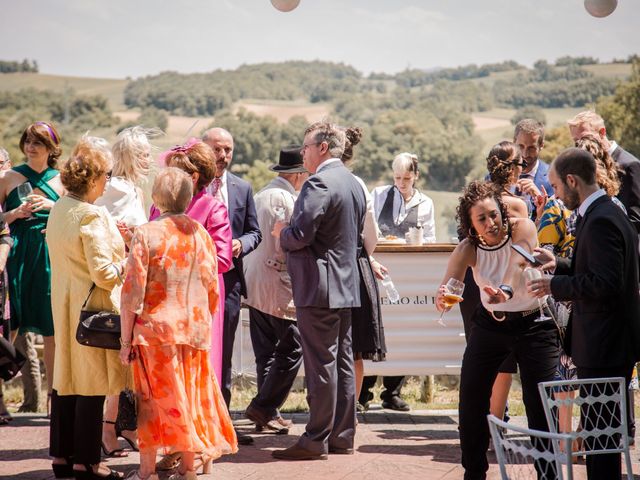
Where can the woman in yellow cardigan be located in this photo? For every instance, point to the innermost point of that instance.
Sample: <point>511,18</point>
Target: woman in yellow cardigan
<point>85,248</point>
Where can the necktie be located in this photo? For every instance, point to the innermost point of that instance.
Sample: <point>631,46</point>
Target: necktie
<point>215,188</point>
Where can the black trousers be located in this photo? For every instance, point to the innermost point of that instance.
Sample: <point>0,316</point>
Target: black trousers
<point>608,465</point>
<point>535,346</point>
<point>232,288</point>
<point>392,388</point>
<point>278,352</point>
<point>76,427</point>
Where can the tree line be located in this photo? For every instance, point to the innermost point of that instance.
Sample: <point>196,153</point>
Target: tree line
<point>16,67</point>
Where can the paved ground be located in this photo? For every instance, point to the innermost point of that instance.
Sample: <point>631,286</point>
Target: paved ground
<point>389,445</point>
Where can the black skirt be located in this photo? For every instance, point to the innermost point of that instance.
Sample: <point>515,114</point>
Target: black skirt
<point>367,329</point>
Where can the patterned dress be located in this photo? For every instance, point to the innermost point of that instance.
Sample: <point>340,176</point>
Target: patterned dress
<point>172,287</point>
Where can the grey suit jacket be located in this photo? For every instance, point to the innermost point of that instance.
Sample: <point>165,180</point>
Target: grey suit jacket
<point>322,240</point>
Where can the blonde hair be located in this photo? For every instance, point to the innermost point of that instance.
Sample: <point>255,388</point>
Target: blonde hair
<point>89,159</point>
<point>172,190</point>
<point>132,153</point>
<point>588,117</point>
<point>606,167</point>
<point>405,162</point>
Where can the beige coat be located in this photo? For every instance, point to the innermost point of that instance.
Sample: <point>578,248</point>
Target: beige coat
<point>265,269</point>
<point>84,247</point>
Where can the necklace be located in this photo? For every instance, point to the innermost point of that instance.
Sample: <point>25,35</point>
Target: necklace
<point>76,197</point>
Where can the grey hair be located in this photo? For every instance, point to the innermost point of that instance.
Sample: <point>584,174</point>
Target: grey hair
<point>172,190</point>
<point>330,133</point>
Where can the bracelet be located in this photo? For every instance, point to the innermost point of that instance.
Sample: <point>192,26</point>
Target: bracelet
<point>125,344</point>
<point>508,291</point>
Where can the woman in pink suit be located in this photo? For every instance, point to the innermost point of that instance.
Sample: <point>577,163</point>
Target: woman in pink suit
<point>197,159</point>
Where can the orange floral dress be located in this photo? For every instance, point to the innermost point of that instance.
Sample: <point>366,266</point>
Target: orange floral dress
<point>172,287</point>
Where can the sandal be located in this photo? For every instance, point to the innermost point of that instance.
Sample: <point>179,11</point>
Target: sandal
<point>169,462</point>
<point>63,470</point>
<point>116,452</point>
<point>90,474</point>
<point>204,461</point>
<point>132,442</point>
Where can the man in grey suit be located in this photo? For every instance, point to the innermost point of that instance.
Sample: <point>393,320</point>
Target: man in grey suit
<point>322,244</point>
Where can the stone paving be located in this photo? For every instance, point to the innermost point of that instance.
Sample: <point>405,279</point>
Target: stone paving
<point>389,445</point>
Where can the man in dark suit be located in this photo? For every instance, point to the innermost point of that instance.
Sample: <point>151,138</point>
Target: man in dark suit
<point>601,280</point>
<point>589,122</point>
<point>238,197</point>
<point>322,249</point>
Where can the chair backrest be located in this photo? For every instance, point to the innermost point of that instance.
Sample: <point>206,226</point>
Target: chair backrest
<point>523,453</point>
<point>602,407</point>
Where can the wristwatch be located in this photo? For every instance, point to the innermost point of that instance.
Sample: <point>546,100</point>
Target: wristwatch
<point>508,291</point>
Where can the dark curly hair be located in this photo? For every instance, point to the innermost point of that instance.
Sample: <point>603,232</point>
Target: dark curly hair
<point>354,135</point>
<point>500,162</point>
<point>472,194</point>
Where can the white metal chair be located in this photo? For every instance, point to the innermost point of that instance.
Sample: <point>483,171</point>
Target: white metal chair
<point>523,453</point>
<point>603,414</point>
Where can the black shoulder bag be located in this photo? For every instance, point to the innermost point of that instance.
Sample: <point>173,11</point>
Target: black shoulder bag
<point>100,329</point>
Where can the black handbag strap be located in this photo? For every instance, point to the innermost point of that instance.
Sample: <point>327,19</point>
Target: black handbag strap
<point>93,286</point>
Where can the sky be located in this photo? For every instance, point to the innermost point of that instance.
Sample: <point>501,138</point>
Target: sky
<point>132,38</point>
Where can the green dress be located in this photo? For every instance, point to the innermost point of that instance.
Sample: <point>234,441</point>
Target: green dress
<point>28,263</point>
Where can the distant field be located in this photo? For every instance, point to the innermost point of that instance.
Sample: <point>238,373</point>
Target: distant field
<point>112,89</point>
<point>283,111</point>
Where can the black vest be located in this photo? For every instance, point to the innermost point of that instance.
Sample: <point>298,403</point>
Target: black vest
<point>385,220</point>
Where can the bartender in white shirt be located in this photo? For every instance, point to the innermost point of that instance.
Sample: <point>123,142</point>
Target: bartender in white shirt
<point>401,206</point>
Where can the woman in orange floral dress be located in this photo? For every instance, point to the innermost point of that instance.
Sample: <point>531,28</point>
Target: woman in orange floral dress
<point>168,298</point>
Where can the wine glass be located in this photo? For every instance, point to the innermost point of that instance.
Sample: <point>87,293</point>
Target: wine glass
<point>452,295</point>
<point>24,190</point>
<point>530,274</point>
<point>278,204</point>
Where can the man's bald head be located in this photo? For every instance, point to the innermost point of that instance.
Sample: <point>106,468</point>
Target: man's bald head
<point>221,142</point>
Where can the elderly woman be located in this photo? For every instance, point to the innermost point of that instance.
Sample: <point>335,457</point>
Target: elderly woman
<point>123,199</point>
<point>86,251</point>
<point>28,264</point>
<point>401,206</point>
<point>170,293</point>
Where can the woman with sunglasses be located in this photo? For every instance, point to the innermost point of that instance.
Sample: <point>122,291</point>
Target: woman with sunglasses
<point>28,264</point>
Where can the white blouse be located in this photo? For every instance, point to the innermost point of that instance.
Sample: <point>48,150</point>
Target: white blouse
<point>122,200</point>
<point>426,212</point>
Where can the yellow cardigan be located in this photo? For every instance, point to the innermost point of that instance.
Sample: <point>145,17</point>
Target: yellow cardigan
<point>84,247</point>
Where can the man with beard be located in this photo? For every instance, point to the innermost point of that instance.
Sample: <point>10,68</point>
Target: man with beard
<point>238,197</point>
<point>602,282</point>
<point>529,137</point>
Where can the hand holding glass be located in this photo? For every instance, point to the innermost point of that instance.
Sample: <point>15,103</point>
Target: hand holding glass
<point>24,191</point>
<point>533,274</point>
<point>451,296</point>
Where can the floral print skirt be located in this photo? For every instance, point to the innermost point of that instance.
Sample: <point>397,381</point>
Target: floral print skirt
<point>180,406</point>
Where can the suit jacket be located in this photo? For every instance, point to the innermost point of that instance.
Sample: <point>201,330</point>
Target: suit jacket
<point>540,179</point>
<point>602,281</point>
<point>629,193</point>
<point>244,221</point>
<point>323,237</point>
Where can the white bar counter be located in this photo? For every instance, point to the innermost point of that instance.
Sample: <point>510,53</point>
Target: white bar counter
<point>416,343</point>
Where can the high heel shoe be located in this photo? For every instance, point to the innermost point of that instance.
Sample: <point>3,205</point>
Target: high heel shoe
<point>132,443</point>
<point>116,452</point>
<point>89,474</point>
<point>63,470</point>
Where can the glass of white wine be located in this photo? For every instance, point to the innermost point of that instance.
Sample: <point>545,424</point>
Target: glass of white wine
<point>24,191</point>
<point>278,205</point>
<point>531,273</point>
<point>452,295</point>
